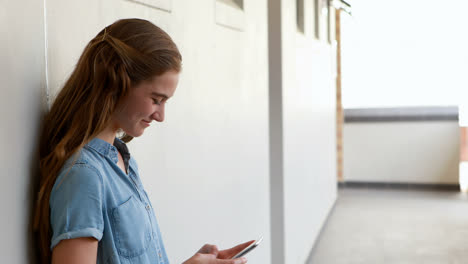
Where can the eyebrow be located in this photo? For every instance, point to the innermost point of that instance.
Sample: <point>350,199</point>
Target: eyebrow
<point>159,94</point>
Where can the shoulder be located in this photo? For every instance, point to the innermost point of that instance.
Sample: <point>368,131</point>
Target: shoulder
<point>84,162</point>
<point>85,157</point>
<point>81,172</point>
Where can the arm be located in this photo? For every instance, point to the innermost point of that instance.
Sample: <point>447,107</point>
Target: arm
<point>76,216</point>
<point>75,251</point>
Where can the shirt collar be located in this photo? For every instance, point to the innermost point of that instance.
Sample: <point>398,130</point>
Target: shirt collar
<point>104,148</point>
<point>122,148</point>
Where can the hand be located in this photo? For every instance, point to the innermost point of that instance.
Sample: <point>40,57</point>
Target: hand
<point>209,254</point>
<point>229,253</point>
<point>201,258</point>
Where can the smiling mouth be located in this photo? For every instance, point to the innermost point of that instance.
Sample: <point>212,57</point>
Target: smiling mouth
<point>146,122</point>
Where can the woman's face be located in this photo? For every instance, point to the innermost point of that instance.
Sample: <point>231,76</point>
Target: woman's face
<point>145,103</point>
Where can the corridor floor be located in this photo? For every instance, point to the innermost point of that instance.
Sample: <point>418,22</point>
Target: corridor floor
<point>395,227</point>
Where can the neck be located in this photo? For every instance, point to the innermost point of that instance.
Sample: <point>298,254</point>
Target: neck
<point>108,135</point>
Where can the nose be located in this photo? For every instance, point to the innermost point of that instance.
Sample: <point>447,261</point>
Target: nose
<point>158,115</point>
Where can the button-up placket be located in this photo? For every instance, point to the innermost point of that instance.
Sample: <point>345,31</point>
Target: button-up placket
<point>156,233</point>
<point>110,152</point>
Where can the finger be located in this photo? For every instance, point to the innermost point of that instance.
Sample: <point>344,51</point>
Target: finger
<point>231,261</point>
<point>209,249</point>
<point>228,253</point>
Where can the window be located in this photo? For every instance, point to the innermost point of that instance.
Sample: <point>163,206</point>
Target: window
<point>317,18</point>
<point>300,15</point>
<point>239,3</point>
<point>165,5</point>
<point>230,14</point>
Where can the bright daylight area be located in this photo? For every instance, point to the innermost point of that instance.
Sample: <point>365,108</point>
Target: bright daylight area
<point>405,53</point>
<point>404,147</point>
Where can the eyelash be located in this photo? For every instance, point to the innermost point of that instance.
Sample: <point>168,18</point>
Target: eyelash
<point>158,102</point>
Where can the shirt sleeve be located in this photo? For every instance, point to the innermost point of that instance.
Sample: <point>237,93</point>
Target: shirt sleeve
<point>76,208</point>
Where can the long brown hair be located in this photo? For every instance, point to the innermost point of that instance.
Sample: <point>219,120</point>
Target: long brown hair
<point>119,57</point>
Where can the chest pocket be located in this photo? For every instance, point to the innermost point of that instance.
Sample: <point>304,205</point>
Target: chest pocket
<point>132,228</point>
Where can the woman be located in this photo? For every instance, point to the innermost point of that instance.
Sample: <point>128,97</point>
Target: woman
<point>92,207</point>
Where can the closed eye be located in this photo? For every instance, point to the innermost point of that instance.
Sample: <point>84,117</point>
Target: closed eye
<point>156,101</point>
<point>160,100</point>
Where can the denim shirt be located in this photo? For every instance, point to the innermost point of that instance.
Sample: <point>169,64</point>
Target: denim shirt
<point>93,197</point>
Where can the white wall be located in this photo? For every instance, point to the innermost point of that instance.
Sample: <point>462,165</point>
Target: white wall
<point>206,167</point>
<point>402,152</point>
<point>396,51</point>
<point>309,110</point>
<point>22,76</point>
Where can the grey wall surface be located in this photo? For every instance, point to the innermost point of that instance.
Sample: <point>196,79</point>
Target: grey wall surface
<point>22,76</point>
<point>307,101</point>
<point>402,152</point>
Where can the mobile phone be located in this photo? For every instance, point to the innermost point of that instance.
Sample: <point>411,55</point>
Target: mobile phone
<point>248,248</point>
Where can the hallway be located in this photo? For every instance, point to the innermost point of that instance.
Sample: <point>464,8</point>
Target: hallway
<point>395,226</point>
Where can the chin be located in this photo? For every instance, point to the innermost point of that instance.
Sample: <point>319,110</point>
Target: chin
<point>134,133</point>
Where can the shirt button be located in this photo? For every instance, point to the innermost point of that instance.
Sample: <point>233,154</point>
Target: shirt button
<point>147,207</point>
<point>160,255</point>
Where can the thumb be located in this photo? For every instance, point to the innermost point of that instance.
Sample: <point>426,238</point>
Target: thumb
<point>209,249</point>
